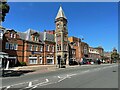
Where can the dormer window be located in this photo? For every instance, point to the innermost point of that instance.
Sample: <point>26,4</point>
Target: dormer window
<point>11,35</point>
<point>36,38</point>
<point>14,35</point>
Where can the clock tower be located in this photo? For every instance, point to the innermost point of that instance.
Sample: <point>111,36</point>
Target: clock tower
<point>61,38</point>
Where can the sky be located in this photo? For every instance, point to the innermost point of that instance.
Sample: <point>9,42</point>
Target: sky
<point>96,22</point>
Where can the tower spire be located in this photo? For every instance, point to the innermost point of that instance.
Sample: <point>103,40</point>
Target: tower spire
<point>60,13</point>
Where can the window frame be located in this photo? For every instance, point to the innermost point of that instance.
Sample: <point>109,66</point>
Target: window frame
<point>15,46</point>
<point>7,44</point>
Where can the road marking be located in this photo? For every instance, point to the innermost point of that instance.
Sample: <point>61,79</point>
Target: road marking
<point>59,77</point>
<point>30,84</point>
<point>7,87</point>
<point>47,80</point>
<point>73,74</point>
<point>47,84</point>
<point>68,76</point>
<point>20,83</point>
<point>62,79</point>
<point>85,71</point>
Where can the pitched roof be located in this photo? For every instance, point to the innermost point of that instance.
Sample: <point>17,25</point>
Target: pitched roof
<point>44,36</point>
<point>60,13</point>
<point>22,35</point>
<point>27,34</point>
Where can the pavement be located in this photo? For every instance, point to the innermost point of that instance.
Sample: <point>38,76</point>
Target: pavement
<point>17,71</point>
<point>25,70</point>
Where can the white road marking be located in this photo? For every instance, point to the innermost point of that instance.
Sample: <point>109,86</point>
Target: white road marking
<point>86,71</point>
<point>20,83</point>
<point>59,77</point>
<point>47,80</point>
<point>7,87</point>
<point>68,76</point>
<point>46,84</point>
<point>30,84</point>
<point>72,74</point>
<point>62,79</point>
<point>33,87</point>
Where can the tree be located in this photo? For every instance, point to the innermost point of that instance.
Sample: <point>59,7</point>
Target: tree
<point>4,8</point>
<point>114,56</point>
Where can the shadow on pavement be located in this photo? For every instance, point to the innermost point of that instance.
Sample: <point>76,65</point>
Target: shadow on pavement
<point>12,73</point>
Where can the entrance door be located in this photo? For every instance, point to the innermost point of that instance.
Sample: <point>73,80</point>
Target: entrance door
<point>65,58</point>
<point>58,58</point>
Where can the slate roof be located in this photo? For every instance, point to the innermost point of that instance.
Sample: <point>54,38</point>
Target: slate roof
<point>22,35</point>
<point>44,36</point>
<point>27,34</point>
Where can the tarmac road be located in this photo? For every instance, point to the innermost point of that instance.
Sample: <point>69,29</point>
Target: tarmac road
<point>92,76</point>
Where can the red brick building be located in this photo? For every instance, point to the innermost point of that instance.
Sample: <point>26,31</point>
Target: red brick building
<point>81,48</point>
<point>94,53</point>
<point>49,47</point>
<point>76,45</point>
<point>14,46</point>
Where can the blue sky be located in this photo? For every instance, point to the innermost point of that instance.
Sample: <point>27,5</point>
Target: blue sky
<point>96,22</point>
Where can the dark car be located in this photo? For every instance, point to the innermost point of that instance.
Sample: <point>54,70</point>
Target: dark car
<point>114,61</point>
<point>98,61</point>
<point>73,63</point>
<point>84,61</point>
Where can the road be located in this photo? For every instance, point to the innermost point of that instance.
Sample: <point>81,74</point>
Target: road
<point>93,76</point>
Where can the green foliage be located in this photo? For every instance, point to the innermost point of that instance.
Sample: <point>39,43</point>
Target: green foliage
<point>4,7</point>
<point>114,56</point>
<point>22,63</point>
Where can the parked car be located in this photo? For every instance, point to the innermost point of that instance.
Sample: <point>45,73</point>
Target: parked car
<point>84,61</point>
<point>114,61</point>
<point>88,62</point>
<point>92,62</point>
<point>98,62</point>
<point>73,63</point>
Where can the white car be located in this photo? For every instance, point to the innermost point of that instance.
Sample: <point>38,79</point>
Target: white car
<point>92,62</point>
